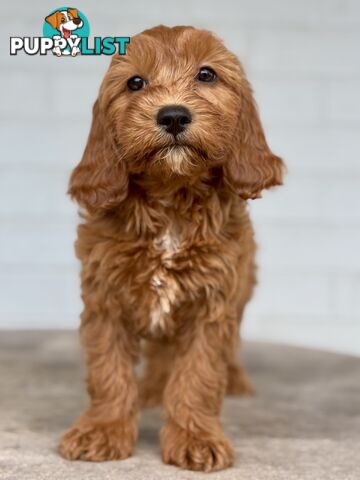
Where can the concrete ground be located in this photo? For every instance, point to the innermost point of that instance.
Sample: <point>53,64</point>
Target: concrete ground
<point>304,422</point>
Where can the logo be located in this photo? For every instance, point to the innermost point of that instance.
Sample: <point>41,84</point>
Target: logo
<point>66,32</point>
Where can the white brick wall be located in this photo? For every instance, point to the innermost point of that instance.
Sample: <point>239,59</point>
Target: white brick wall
<point>303,60</point>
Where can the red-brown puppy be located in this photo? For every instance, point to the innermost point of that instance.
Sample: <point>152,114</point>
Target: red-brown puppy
<point>167,247</point>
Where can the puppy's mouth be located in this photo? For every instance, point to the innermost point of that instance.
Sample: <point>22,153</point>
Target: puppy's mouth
<point>178,158</point>
<point>178,145</point>
<point>167,158</point>
<point>184,151</point>
<point>66,32</point>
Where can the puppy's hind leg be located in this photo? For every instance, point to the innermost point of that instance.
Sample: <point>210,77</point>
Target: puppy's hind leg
<point>238,381</point>
<point>159,357</point>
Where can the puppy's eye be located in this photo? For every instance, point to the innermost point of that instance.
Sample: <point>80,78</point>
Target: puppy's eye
<point>206,74</point>
<point>136,83</point>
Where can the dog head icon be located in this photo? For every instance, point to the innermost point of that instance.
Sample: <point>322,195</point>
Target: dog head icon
<point>65,21</point>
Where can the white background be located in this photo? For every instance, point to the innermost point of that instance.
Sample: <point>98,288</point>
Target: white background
<point>303,59</point>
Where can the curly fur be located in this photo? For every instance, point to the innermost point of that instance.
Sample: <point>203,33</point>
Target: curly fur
<point>167,248</point>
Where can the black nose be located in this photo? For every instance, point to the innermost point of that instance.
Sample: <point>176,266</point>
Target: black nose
<point>77,20</point>
<point>174,118</point>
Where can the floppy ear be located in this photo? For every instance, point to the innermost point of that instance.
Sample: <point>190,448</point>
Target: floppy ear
<point>252,166</point>
<point>73,12</point>
<point>53,20</point>
<point>100,181</point>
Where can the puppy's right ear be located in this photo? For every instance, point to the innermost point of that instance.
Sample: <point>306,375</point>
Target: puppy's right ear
<point>53,20</point>
<point>252,167</point>
<point>99,183</point>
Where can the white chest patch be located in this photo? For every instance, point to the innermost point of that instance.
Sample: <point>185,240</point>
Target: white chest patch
<point>162,282</point>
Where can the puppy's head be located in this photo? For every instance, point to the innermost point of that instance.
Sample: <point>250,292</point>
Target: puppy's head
<point>66,21</point>
<point>174,107</point>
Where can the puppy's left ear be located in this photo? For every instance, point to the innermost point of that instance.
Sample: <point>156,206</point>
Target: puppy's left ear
<point>252,166</point>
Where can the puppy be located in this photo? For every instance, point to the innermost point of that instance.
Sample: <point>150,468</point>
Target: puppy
<point>66,22</point>
<point>167,248</point>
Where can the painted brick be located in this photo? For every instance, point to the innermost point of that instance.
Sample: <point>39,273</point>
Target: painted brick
<point>40,293</point>
<point>305,248</point>
<point>24,94</point>
<point>33,244</point>
<point>315,53</point>
<point>346,295</point>
<point>291,293</point>
<point>46,154</point>
<point>327,149</point>
<point>302,60</point>
<point>295,102</point>
<point>34,193</point>
<point>343,103</point>
<point>315,197</point>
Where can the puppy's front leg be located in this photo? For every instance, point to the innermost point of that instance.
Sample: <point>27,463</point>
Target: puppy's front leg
<point>108,429</point>
<point>193,437</point>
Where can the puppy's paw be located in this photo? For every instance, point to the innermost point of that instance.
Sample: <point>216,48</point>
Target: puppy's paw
<point>97,442</point>
<point>201,452</point>
<point>57,51</point>
<point>75,51</point>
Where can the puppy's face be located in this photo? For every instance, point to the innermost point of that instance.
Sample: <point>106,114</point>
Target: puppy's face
<point>177,105</point>
<point>173,102</point>
<point>66,21</point>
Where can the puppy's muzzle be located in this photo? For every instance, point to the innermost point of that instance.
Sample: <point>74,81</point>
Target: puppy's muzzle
<point>174,119</point>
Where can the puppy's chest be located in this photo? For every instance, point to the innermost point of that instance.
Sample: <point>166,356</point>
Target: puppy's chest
<point>164,285</point>
<point>159,280</point>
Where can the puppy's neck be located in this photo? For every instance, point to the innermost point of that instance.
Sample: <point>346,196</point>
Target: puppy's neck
<point>151,205</point>
<point>152,188</point>
<point>152,208</point>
